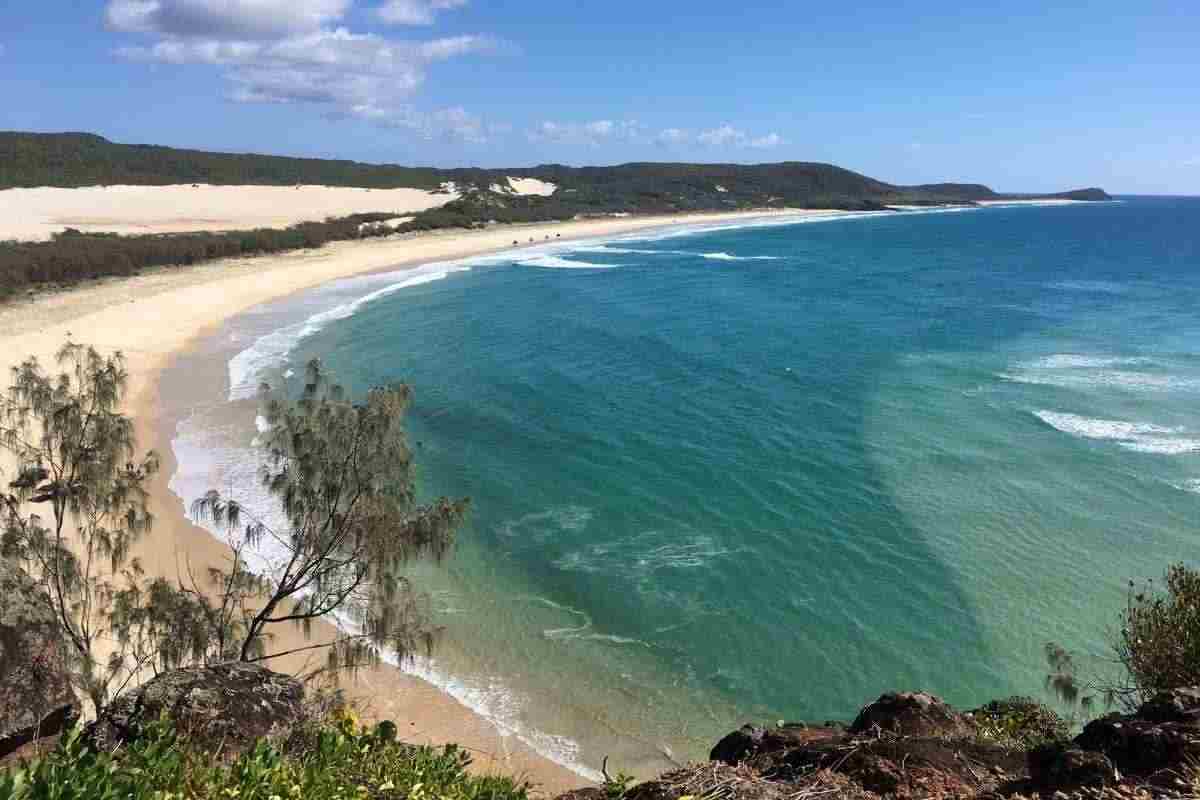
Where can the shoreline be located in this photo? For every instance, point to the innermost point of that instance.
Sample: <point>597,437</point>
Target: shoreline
<point>155,317</point>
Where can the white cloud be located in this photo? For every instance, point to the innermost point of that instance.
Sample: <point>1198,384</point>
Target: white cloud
<point>450,123</point>
<point>729,136</point>
<point>336,49</point>
<point>604,130</point>
<point>244,19</point>
<point>671,136</point>
<point>718,137</point>
<point>766,142</point>
<point>415,12</point>
<point>591,133</point>
<point>282,51</point>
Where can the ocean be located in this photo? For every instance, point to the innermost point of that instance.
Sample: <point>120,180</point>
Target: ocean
<point>767,471</point>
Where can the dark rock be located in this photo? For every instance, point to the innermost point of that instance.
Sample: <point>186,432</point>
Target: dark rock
<point>1139,746</point>
<point>224,707</point>
<point>736,747</point>
<point>1058,767</point>
<point>750,741</point>
<point>1176,705</point>
<point>36,698</point>
<point>911,714</point>
<point>1164,734</point>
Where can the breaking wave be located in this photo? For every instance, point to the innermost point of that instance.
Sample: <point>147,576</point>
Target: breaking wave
<point>1140,437</point>
<point>246,367</point>
<point>558,262</point>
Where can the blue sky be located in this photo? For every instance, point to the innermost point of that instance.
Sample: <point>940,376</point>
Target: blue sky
<point>1017,95</point>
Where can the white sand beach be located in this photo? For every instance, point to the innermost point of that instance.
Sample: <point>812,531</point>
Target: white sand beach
<point>154,316</point>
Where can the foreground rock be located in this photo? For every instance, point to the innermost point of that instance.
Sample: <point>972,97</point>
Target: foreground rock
<point>913,746</point>
<point>221,708</point>
<point>911,714</point>
<point>1059,767</point>
<point>1163,736</point>
<point>36,699</point>
<point>751,740</point>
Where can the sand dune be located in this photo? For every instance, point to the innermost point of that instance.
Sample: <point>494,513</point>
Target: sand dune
<point>35,214</point>
<point>531,186</point>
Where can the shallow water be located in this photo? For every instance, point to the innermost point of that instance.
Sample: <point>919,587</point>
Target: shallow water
<point>768,472</point>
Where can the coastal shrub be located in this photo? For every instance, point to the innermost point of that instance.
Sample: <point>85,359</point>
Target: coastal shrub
<point>72,256</point>
<point>1021,721</point>
<point>1159,640</point>
<point>1156,648</point>
<point>336,760</point>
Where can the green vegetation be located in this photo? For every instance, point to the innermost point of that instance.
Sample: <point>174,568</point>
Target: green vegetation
<point>343,476</point>
<point>336,760</point>
<point>1159,641</point>
<point>1021,721</point>
<point>72,257</point>
<point>1156,648</point>
<point>84,159</point>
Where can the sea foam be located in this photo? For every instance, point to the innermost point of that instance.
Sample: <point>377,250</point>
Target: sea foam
<point>558,262</point>
<point>1140,437</point>
<point>728,257</point>
<point>246,368</point>
<point>1075,361</point>
<point>1088,428</point>
<point>1119,379</point>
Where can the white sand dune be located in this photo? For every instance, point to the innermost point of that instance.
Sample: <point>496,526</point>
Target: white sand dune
<point>532,186</point>
<point>35,214</point>
<point>524,186</point>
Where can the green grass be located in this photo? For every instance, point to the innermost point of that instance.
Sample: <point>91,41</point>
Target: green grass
<point>337,761</point>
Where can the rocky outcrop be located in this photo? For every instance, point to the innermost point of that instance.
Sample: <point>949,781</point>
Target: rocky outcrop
<point>911,714</point>
<point>1164,734</point>
<point>36,699</point>
<point>913,746</point>
<point>224,707</point>
<point>908,744</point>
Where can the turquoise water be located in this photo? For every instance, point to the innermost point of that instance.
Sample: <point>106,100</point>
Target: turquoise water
<point>769,472</point>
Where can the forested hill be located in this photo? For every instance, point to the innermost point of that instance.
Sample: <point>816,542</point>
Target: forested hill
<point>80,159</point>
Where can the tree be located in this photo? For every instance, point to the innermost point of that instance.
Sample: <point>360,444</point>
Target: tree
<point>74,455</point>
<point>1158,644</point>
<point>349,521</point>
